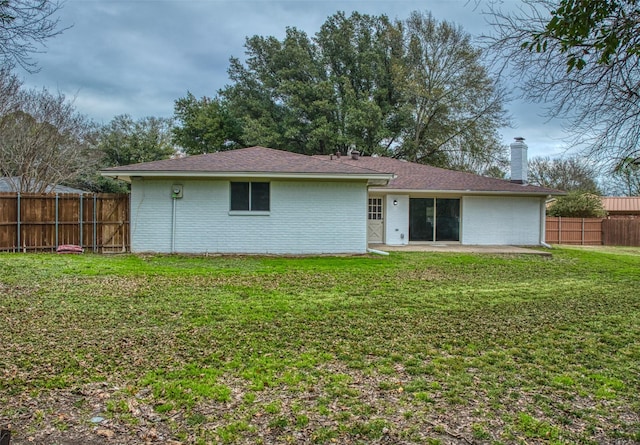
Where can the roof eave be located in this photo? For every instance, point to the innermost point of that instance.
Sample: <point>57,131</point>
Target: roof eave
<point>126,175</point>
<point>466,192</point>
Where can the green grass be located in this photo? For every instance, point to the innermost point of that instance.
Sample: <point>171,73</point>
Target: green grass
<point>412,348</point>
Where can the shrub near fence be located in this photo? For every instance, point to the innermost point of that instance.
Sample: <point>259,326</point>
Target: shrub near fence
<point>41,222</point>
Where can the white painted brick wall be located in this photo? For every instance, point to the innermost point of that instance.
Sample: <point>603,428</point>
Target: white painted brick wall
<point>305,217</point>
<point>150,216</point>
<point>397,220</point>
<point>501,220</point>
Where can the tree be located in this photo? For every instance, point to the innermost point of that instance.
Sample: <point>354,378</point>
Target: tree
<point>496,171</point>
<point>569,174</point>
<point>124,141</point>
<point>361,54</point>
<point>415,90</point>
<point>43,140</point>
<point>9,87</point>
<point>577,205</point>
<point>610,29</point>
<point>454,104</point>
<point>625,179</point>
<point>317,96</point>
<point>581,59</point>
<point>24,27</point>
<point>205,125</point>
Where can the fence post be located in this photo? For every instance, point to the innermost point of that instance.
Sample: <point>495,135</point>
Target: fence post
<point>582,237</point>
<point>559,229</point>
<point>80,218</point>
<point>95,229</point>
<point>19,228</point>
<point>56,224</point>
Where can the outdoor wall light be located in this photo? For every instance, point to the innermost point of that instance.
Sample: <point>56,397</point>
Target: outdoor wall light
<point>395,202</point>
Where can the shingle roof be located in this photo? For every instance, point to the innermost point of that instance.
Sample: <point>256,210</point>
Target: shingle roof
<point>250,160</point>
<point>261,160</point>
<point>621,205</point>
<point>412,176</point>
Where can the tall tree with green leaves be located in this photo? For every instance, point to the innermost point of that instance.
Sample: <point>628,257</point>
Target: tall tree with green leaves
<point>361,54</point>
<point>323,94</point>
<point>205,125</point>
<point>281,94</point>
<point>414,89</point>
<point>125,141</point>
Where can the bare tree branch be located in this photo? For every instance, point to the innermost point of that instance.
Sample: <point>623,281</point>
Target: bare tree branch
<point>43,140</point>
<point>25,25</point>
<point>599,103</point>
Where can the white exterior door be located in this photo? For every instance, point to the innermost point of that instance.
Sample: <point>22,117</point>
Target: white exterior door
<point>375,224</point>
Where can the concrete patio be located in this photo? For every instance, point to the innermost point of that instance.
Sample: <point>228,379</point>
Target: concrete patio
<point>453,247</point>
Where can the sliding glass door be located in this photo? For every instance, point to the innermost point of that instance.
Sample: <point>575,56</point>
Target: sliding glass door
<point>434,219</point>
<point>421,219</point>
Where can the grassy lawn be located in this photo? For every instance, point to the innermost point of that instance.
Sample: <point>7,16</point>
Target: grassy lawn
<point>412,348</point>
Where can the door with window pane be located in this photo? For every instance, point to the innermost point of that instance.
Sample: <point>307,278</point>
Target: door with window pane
<point>375,224</point>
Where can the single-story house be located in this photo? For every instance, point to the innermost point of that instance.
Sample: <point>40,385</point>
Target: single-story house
<point>261,200</point>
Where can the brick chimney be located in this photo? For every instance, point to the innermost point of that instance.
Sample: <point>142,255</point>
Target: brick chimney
<point>519,168</point>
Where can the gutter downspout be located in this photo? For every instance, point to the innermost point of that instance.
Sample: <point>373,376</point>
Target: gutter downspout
<point>173,224</point>
<point>543,223</point>
<point>378,252</point>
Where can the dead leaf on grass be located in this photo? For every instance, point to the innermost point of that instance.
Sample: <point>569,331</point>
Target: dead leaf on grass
<point>105,433</point>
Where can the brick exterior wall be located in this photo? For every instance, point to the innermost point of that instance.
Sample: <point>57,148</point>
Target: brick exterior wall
<point>397,222</point>
<point>305,218</point>
<point>501,220</point>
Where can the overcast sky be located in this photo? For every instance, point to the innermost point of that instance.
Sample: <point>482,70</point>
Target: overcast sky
<point>138,56</point>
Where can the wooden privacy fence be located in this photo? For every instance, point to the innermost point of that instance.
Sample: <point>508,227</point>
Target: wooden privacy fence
<point>41,222</point>
<point>621,232</point>
<point>584,231</point>
<point>593,231</point>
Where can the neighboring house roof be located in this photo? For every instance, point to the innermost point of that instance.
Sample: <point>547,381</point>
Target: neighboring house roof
<point>615,205</point>
<point>411,176</point>
<point>8,184</point>
<point>252,161</point>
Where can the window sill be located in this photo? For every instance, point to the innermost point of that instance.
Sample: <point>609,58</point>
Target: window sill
<point>249,213</point>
